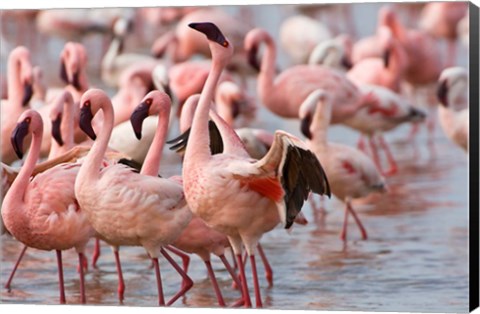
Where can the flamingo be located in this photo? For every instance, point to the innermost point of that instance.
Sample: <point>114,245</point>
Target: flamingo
<point>42,213</point>
<point>284,94</point>
<point>441,19</point>
<point>222,189</point>
<point>350,172</point>
<point>453,111</point>
<point>298,43</point>
<point>334,53</point>
<point>128,208</point>
<point>20,80</point>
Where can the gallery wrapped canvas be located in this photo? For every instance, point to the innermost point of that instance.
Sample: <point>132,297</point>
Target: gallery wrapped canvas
<point>310,156</point>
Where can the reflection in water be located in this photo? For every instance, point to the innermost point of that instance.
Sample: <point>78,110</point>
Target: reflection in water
<point>414,260</point>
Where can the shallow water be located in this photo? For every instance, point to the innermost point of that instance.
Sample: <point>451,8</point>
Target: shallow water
<point>415,259</point>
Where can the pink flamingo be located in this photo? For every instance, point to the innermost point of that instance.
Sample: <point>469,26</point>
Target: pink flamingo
<point>3,88</point>
<point>111,196</point>
<point>453,111</point>
<point>19,84</point>
<point>263,185</point>
<point>387,71</point>
<point>351,173</point>
<point>284,94</point>
<point>43,213</point>
<point>334,53</point>
<point>441,19</point>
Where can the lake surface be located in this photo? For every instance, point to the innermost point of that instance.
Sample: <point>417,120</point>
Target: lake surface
<point>415,259</point>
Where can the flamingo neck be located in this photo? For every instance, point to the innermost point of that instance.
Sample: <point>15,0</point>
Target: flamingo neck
<point>14,86</point>
<point>267,69</point>
<point>224,107</point>
<point>398,60</point>
<point>16,194</point>
<point>67,130</point>
<point>93,162</point>
<point>151,165</point>
<point>320,123</point>
<point>199,135</point>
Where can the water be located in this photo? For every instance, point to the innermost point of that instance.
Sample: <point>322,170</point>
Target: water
<point>415,259</point>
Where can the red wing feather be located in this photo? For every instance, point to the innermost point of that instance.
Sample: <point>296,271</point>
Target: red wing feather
<point>268,187</point>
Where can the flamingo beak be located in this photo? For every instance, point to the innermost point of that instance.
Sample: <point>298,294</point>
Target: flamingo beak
<point>76,80</point>
<point>136,119</point>
<point>305,126</point>
<point>56,132</point>
<point>386,58</point>
<point>442,93</point>
<point>86,118</point>
<point>18,135</point>
<point>252,58</point>
<point>347,63</point>
<point>63,72</point>
<point>212,32</point>
<point>27,94</point>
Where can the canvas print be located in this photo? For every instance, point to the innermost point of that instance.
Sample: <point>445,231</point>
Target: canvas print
<point>308,156</point>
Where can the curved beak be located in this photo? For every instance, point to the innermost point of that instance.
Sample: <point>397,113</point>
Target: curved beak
<point>212,32</point>
<point>27,94</point>
<point>136,119</point>
<point>56,132</point>
<point>63,72</point>
<point>346,62</point>
<point>386,58</point>
<point>18,135</point>
<point>86,118</point>
<point>305,126</point>
<point>252,58</point>
<point>76,80</point>
<point>442,93</point>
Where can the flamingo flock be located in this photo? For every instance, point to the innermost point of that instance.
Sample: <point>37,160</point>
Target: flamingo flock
<point>95,143</point>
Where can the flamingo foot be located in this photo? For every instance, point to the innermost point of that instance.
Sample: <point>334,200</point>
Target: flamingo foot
<point>121,283</point>
<point>363,231</point>
<point>238,303</point>
<point>14,270</point>
<point>96,253</point>
<point>186,278</point>
<point>83,263</point>
<point>266,264</point>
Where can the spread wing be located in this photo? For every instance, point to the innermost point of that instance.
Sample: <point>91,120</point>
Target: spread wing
<point>179,144</point>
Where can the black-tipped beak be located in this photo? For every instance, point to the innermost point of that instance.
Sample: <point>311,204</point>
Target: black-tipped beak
<point>76,80</point>
<point>86,118</point>
<point>442,93</point>
<point>305,126</point>
<point>63,72</point>
<point>18,135</point>
<point>212,32</point>
<point>346,63</point>
<point>417,115</point>
<point>56,133</point>
<point>252,58</point>
<point>136,119</point>
<point>386,58</point>
<point>27,94</point>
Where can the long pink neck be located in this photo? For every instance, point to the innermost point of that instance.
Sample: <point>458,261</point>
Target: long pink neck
<point>199,135</point>
<point>151,165</point>
<point>267,69</point>
<point>397,61</point>
<point>91,166</point>
<point>15,197</point>
<point>14,87</point>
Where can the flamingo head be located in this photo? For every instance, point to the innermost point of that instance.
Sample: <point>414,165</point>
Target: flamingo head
<point>220,47</point>
<point>72,60</point>
<point>29,122</point>
<point>252,43</point>
<point>310,109</point>
<point>453,82</point>
<point>154,103</point>
<point>56,115</point>
<point>26,78</point>
<point>91,102</point>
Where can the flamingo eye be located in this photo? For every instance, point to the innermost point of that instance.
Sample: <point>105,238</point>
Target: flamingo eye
<point>225,44</point>
<point>87,103</point>
<point>148,101</point>
<point>28,120</point>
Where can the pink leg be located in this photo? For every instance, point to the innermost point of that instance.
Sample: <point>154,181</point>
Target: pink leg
<point>375,156</point>
<point>243,280</point>
<point>393,164</point>
<point>414,131</point>
<point>235,266</point>
<point>61,286</point>
<point>343,234</point>
<point>9,282</point>
<point>185,277</point>
<point>121,283</point>
<point>81,262</point>
<point>211,274</point>
<point>357,220</point>
<point>230,270</point>
<point>161,299</point>
<point>266,264</point>
<point>96,253</point>
<point>256,287</point>
<point>185,260</point>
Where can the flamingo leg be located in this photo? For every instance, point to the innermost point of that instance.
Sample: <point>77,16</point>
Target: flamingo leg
<point>185,260</point>
<point>357,220</point>
<point>185,277</point>
<point>161,299</point>
<point>96,253</point>
<point>266,264</point>
<point>121,283</point>
<point>393,164</point>
<point>256,287</point>
<point>375,156</point>
<point>213,279</point>
<point>61,285</point>
<point>343,234</point>
<point>243,280</point>
<point>81,261</point>
<point>230,270</point>
<point>235,265</point>
<point>14,270</point>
